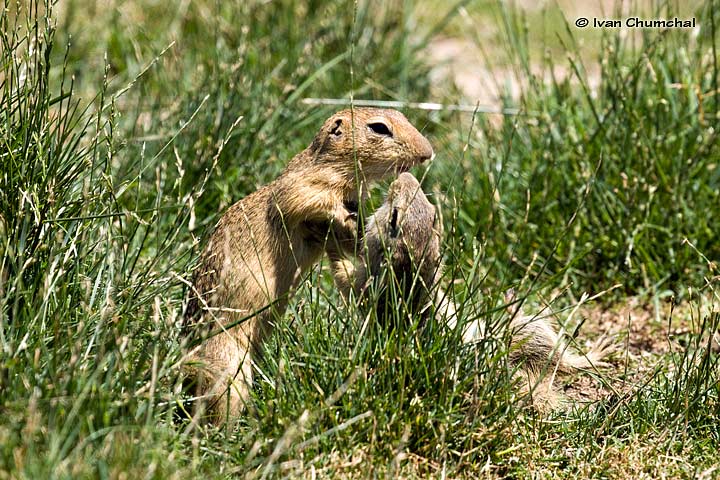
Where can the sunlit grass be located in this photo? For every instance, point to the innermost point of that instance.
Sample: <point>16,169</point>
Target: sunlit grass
<point>126,130</point>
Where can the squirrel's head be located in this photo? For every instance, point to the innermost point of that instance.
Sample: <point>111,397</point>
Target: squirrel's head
<point>407,223</point>
<point>404,234</point>
<point>373,142</point>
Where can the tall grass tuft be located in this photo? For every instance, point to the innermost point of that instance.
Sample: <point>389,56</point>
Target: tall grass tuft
<point>86,321</point>
<point>641,132</point>
<point>127,128</point>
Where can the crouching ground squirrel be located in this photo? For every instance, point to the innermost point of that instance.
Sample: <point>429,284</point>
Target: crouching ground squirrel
<point>405,234</point>
<point>264,243</point>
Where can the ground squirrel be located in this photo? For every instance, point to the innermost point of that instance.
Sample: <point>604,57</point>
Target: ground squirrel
<point>264,243</point>
<point>405,233</point>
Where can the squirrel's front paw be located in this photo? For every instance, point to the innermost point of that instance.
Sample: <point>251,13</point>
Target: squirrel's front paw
<point>337,233</point>
<point>343,234</point>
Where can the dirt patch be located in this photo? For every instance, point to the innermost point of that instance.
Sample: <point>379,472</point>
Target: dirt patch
<point>650,329</point>
<point>473,56</point>
<point>459,63</point>
<point>646,335</point>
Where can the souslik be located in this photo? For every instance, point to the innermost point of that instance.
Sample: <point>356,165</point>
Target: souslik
<point>403,237</point>
<point>266,242</point>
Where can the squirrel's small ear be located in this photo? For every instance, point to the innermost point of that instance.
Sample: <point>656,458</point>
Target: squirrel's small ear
<point>336,128</point>
<point>326,134</point>
<point>394,231</point>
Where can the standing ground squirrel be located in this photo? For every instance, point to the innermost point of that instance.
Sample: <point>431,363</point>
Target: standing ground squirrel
<point>404,233</point>
<point>264,243</point>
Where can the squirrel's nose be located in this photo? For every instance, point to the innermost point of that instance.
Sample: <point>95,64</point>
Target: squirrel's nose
<point>425,150</point>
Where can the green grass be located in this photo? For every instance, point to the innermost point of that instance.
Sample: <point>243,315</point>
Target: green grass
<point>126,130</point>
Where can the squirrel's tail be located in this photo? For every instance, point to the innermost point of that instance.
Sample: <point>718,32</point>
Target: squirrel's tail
<point>536,345</point>
<point>593,358</point>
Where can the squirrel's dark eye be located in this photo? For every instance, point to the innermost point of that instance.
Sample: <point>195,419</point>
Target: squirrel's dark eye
<point>351,206</point>
<point>380,128</point>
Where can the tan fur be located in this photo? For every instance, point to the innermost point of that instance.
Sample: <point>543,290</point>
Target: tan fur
<point>264,243</point>
<point>541,354</point>
<point>414,253</point>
